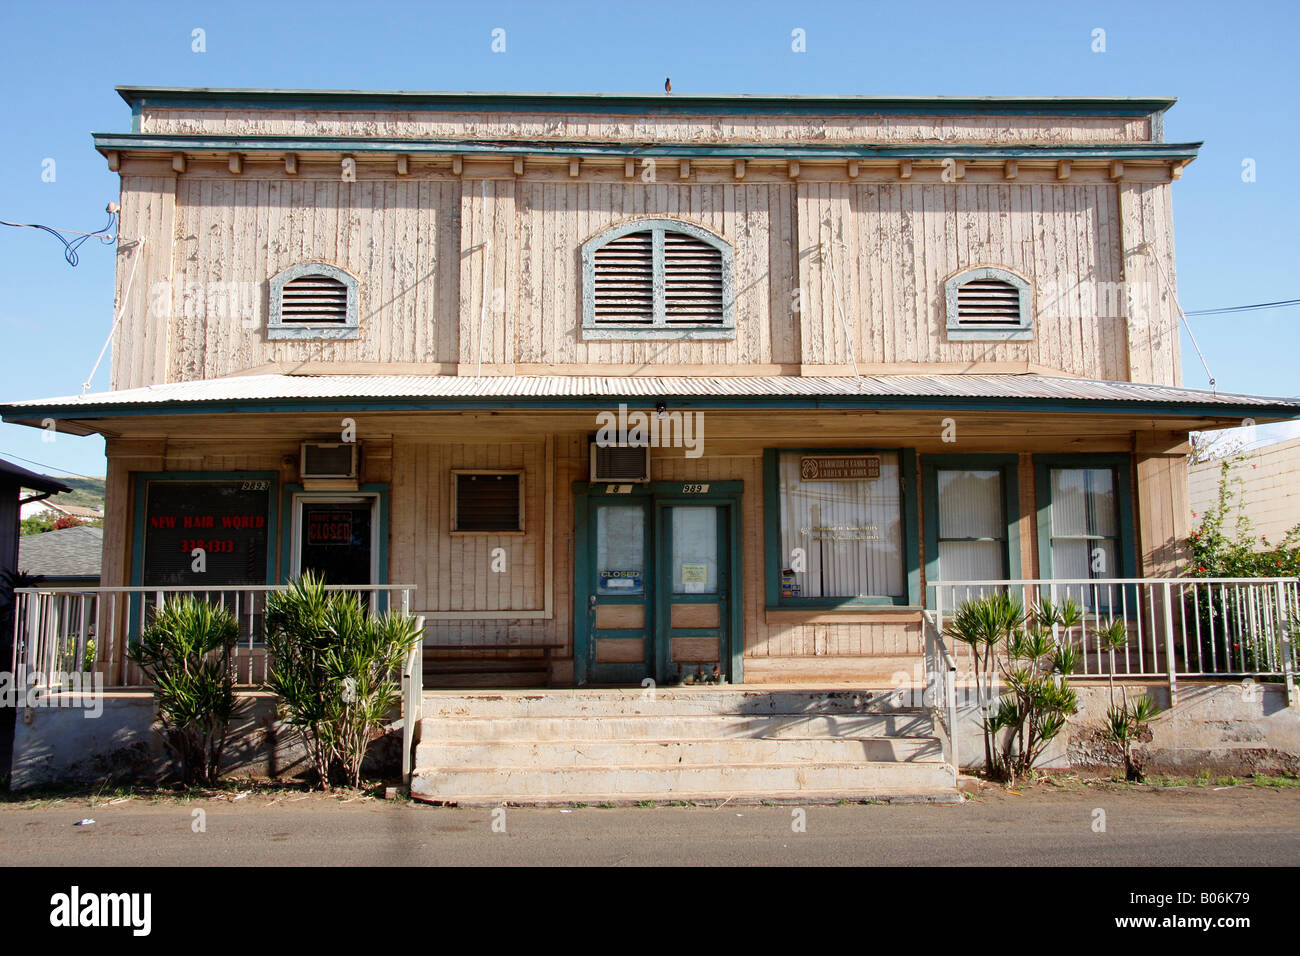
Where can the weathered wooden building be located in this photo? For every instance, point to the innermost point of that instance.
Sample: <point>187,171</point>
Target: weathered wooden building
<point>879,343</point>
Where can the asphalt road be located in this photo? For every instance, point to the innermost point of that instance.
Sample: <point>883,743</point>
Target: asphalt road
<point>1239,826</point>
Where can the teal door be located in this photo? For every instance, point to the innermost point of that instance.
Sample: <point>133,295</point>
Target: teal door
<point>656,582</point>
<point>620,588</point>
<point>693,613</point>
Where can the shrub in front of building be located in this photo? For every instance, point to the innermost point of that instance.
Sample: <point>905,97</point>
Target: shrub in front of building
<point>184,650</point>
<point>336,669</point>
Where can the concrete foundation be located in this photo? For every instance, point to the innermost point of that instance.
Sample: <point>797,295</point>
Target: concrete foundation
<point>1236,729</point>
<point>73,744</point>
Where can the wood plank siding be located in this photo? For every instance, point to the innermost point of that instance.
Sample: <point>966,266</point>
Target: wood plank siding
<point>486,275</point>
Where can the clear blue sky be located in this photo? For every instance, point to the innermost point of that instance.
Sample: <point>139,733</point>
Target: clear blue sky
<point>1233,67</point>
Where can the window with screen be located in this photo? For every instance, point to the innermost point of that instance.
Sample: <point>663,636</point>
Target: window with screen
<point>487,502</point>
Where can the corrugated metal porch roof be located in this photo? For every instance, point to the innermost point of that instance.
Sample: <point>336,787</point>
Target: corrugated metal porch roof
<point>1023,391</point>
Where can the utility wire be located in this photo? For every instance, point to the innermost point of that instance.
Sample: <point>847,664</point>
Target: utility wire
<point>41,464</point>
<point>1284,303</point>
<point>70,246</point>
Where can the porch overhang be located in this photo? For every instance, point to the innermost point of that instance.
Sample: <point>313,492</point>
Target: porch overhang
<point>289,393</point>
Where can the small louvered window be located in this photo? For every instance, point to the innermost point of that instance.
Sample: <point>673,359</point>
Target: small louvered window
<point>988,303</point>
<point>487,501</point>
<point>313,300</point>
<point>657,278</point>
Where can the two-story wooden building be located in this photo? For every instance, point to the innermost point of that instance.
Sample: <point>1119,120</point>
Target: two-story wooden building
<point>645,386</point>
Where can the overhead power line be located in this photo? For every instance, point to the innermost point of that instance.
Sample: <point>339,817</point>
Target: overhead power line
<point>41,464</point>
<point>1284,303</point>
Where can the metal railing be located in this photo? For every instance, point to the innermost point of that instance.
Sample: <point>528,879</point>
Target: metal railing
<point>1176,627</point>
<point>941,684</point>
<point>412,703</point>
<point>63,631</point>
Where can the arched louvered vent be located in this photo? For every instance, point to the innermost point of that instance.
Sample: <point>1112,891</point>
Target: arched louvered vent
<point>657,278</point>
<point>989,303</point>
<point>315,299</point>
<point>692,280</point>
<point>985,302</point>
<point>624,280</point>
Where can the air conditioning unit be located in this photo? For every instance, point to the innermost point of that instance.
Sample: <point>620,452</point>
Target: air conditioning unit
<point>328,460</point>
<point>622,463</point>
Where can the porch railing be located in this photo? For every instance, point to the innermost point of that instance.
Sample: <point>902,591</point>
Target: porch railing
<point>60,632</point>
<point>940,694</point>
<point>1230,628</point>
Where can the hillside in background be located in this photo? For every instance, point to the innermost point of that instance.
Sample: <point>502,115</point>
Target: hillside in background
<point>86,492</point>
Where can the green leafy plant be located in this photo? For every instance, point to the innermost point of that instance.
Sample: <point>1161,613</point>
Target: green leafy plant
<point>1031,653</point>
<point>1125,725</point>
<point>185,651</point>
<point>1223,547</point>
<point>336,670</point>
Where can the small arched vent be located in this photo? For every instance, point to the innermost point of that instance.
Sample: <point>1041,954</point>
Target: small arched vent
<point>315,300</point>
<point>989,303</point>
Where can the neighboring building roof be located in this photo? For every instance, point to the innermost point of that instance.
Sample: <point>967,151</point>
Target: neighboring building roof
<point>992,392</point>
<point>145,97</point>
<point>73,511</point>
<point>11,474</point>
<point>67,553</point>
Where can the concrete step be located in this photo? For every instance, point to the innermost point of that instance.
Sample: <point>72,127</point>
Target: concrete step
<point>570,784</point>
<point>666,753</point>
<point>677,726</point>
<point>737,700</point>
<point>801,797</point>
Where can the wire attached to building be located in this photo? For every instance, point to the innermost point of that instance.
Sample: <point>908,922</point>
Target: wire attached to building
<point>827,257</point>
<point>70,246</point>
<point>126,297</point>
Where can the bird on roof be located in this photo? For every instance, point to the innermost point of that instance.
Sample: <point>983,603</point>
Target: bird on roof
<point>668,85</point>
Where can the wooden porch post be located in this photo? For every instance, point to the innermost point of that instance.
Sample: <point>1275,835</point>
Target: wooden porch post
<point>1163,512</point>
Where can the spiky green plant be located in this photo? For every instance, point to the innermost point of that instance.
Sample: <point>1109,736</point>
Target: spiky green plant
<point>335,668</point>
<point>1125,725</point>
<point>184,650</point>
<point>1039,653</point>
<point>1111,638</point>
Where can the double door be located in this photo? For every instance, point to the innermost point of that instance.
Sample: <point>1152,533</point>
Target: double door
<point>657,583</point>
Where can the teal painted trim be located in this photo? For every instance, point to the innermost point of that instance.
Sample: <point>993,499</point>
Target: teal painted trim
<point>773,559</point>
<point>220,142</point>
<point>581,585</point>
<point>911,507</point>
<point>1008,465</point>
<point>664,489</point>
<point>165,97</point>
<point>1123,466</point>
<point>1274,409</point>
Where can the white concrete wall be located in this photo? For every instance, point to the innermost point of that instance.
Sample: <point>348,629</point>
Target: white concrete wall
<point>62,745</point>
<point>1223,728</point>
